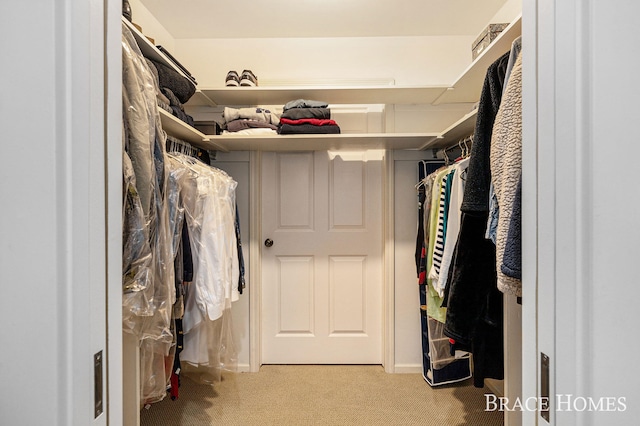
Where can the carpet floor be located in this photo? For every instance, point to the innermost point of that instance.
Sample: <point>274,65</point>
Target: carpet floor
<point>322,395</point>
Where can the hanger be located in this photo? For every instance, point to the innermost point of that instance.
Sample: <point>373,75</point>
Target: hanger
<point>470,140</point>
<point>446,157</point>
<point>423,165</point>
<point>180,146</point>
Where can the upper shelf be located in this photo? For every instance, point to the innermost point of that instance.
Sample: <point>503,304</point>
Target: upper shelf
<point>181,130</point>
<point>241,96</point>
<point>466,89</point>
<point>454,133</point>
<point>150,51</point>
<point>468,86</point>
<point>323,142</point>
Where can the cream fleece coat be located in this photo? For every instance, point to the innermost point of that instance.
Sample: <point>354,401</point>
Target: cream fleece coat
<point>506,167</point>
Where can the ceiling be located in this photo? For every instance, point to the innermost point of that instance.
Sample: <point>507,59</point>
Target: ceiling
<point>328,18</point>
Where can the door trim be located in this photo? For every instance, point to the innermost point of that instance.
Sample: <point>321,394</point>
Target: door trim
<point>388,284</point>
<point>255,263</point>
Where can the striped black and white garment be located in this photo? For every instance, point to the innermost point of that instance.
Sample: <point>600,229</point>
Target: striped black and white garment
<point>443,210</point>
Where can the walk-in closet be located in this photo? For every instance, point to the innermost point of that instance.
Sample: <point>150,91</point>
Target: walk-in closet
<point>362,212</point>
<point>326,156</point>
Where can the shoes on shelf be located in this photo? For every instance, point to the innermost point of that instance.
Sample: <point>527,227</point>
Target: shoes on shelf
<point>248,79</point>
<point>233,79</point>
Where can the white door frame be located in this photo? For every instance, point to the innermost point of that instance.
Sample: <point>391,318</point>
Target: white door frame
<point>255,263</point>
<point>579,148</point>
<point>61,211</point>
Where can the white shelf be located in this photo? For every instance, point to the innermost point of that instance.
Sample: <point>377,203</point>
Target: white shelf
<point>199,99</point>
<point>466,89</point>
<point>172,125</point>
<point>242,96</point>
<point>468,86</point>
<point>181,130</point>
<point>150,51</point>
<point>322,142</point>
<point>454,133</point>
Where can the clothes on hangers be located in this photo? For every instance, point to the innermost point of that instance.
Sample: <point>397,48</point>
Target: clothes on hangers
<point>440,366</point>
<point>441,229</point>
<point>208,198</point>
<point>474,304</point>
<point>179,226</point>
<point>492,223</point>
<point>453,224</point>
<point>506,169</point>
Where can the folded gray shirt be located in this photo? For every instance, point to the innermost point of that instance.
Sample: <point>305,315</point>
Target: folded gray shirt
<point>298,113</point>
<point>258,114</point>
<point>303,103</point>
<point>244,123</point>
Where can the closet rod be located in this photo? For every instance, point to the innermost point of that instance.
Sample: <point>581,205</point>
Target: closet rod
<point>178,145</point>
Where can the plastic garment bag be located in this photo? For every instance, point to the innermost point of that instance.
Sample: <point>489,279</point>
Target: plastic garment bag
<point>137,259</point>
<point>208,199</point>
<point>148,311</point>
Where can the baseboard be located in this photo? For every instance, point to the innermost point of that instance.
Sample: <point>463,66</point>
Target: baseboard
<point>243,368</point>
<point>398,369</point>
<point>495,386</point>
<point>407,369</point>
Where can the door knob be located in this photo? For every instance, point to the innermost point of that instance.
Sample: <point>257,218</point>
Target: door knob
<point>268,242</point>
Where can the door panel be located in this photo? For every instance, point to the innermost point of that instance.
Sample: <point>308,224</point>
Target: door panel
<point>347,194</point>
<point>294,188</point>
<point>347,294</point>
<point>295,295</point>
<point>322,278</point>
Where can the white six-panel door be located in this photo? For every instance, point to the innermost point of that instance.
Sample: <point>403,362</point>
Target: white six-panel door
<point>322,277</point>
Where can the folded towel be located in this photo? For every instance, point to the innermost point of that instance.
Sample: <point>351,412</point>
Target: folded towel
<point>301,129</point>
<point>297,113</point>
<point>241,124</point>
<point>252,131</point>
<point>314,121</point>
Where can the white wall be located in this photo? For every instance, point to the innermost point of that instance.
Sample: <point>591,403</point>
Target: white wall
<point>407,60</point>
<point>408,343</point>
<point>151,27</point>
<point>237,165</point>
<point>508,12</point>
<point>280,61</point>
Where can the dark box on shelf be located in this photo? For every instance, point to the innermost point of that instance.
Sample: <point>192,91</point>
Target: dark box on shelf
<point>485,38</point>
<point>208,127</point>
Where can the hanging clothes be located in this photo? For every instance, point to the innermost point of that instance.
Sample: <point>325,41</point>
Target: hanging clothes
<point>453,224</point>
<point>441,227</point>
<point>147,312</point>
<point>208,198</point>
<point>492,224</point>
<point>512,262</point>
<point>440,366</point>
<point>474,304</point>
<point>434,301</point>
<point>179,232</point>
<point>506,169</point>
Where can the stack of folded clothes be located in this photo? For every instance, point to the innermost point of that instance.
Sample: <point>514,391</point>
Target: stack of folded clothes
<point>167,98</point>
<point>249,121</point>
<point>307,117</point>
<point>175,107</point>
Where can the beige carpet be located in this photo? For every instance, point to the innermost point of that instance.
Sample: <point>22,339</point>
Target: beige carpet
<point>322,395</point>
